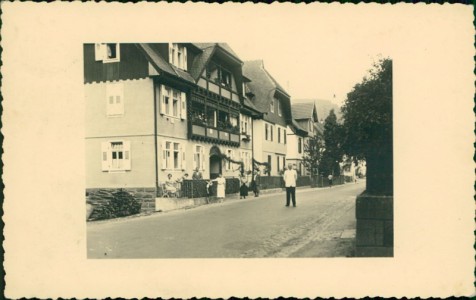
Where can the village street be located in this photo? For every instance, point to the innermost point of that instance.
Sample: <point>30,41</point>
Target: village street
<point>322,225</point>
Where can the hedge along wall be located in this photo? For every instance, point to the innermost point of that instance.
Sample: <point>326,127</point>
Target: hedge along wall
<point>303,181</point>
<point>198,188</point>
<point>275,182</point>
<point>322,181</point>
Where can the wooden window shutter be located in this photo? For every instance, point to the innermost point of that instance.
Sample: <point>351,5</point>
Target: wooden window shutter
<point>105,156</point>
<point>183,106</point>
<point>170,52</point>
<point>184,161</point>
<point>195,155</point>
<point>119,97</point>
<point>202,157</point>
<point>176,60</point>
<point>164,156</point>
<point>185,58</point>
<point>127,155</point>
<point>99,51</point>
<point>163,93</point>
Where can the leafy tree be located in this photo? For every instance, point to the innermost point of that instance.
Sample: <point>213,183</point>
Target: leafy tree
<point>332,154</point>
<point>312,154</point>
<point>368,131</point>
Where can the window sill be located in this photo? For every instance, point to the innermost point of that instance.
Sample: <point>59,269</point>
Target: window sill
<point>106,61</point>
<point>171,117</point>
<point>117,171</point>
<point>115,116</point>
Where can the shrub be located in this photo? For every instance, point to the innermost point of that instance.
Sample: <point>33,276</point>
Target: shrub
<point>122,204</point>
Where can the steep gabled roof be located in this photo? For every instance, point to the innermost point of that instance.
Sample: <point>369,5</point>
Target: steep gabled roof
<point>297,129</point>
<point>304,110</point>
<point>249,107</point>
<point>262,85</point>
<point>202,59</point>
<point>161,64</point>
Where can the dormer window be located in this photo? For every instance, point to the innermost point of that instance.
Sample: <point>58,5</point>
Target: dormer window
<point>178,56</point>
<point>225,78</point>
<point>107,52</point>
<point>280,112</point>
<point>271,106</point>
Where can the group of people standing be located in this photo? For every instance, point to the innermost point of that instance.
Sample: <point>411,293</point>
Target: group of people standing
<point>244,188</point>
<point>172,187</point>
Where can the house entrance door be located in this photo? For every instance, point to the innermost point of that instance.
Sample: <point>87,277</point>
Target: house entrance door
<point>215,162</point>
<point>215,166</point>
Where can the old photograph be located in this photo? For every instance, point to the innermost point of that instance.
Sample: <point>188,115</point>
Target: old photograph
<point>248,169</point>
<point>237,150</point>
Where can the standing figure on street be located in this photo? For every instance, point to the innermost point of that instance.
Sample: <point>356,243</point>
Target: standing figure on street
<point>255,183</point>
<point>221,185</point>
<point>330,180</point>
<point>243,186</point>
<point>290,177</point>
<point>209,190</point>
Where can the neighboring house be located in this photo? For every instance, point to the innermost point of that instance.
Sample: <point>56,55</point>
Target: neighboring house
<point>305,115</point>
<point>163,108</point>
<point>271,99</point>
<point>297,137</point>
<point>248,114</point>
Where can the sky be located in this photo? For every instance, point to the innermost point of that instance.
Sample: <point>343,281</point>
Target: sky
<point>320,53</point>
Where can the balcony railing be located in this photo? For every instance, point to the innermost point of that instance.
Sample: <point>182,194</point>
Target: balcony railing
<point>214,133</point>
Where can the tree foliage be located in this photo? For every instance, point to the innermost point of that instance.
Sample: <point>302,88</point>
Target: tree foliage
<point>332,154</point>
<point>312,154</point>
<point>368,131</point>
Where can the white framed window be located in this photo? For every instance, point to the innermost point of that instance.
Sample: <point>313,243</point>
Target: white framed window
<point>178,55</point>
<point>299,145</point>
<point>173,156</point>
<point>198,157</point>
<point>285,137</point>
<point>114,99</point>
<point>271,106</point>
<point>173,103</point>
<point>271,132</point>
<point>280,113</point>
<point>116,156</point>
<point>279,135</point>
<point>245,124</point>
<point>229,154</point>
<point>107,52</point>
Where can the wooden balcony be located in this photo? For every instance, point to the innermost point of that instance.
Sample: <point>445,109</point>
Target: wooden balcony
<point>209,134</point>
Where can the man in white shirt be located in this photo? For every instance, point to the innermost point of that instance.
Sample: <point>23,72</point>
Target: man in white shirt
<point>290,177</point>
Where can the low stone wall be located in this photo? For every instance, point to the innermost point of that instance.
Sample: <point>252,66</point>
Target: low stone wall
<point>101,196</point>
<point>374,237</point>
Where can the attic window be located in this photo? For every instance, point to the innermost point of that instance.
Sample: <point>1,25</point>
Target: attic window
<point>178,55</point>
<point>107,52</point>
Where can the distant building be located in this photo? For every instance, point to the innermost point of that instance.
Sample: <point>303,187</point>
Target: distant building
<point>305,115</point>
<point>273,101</point>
